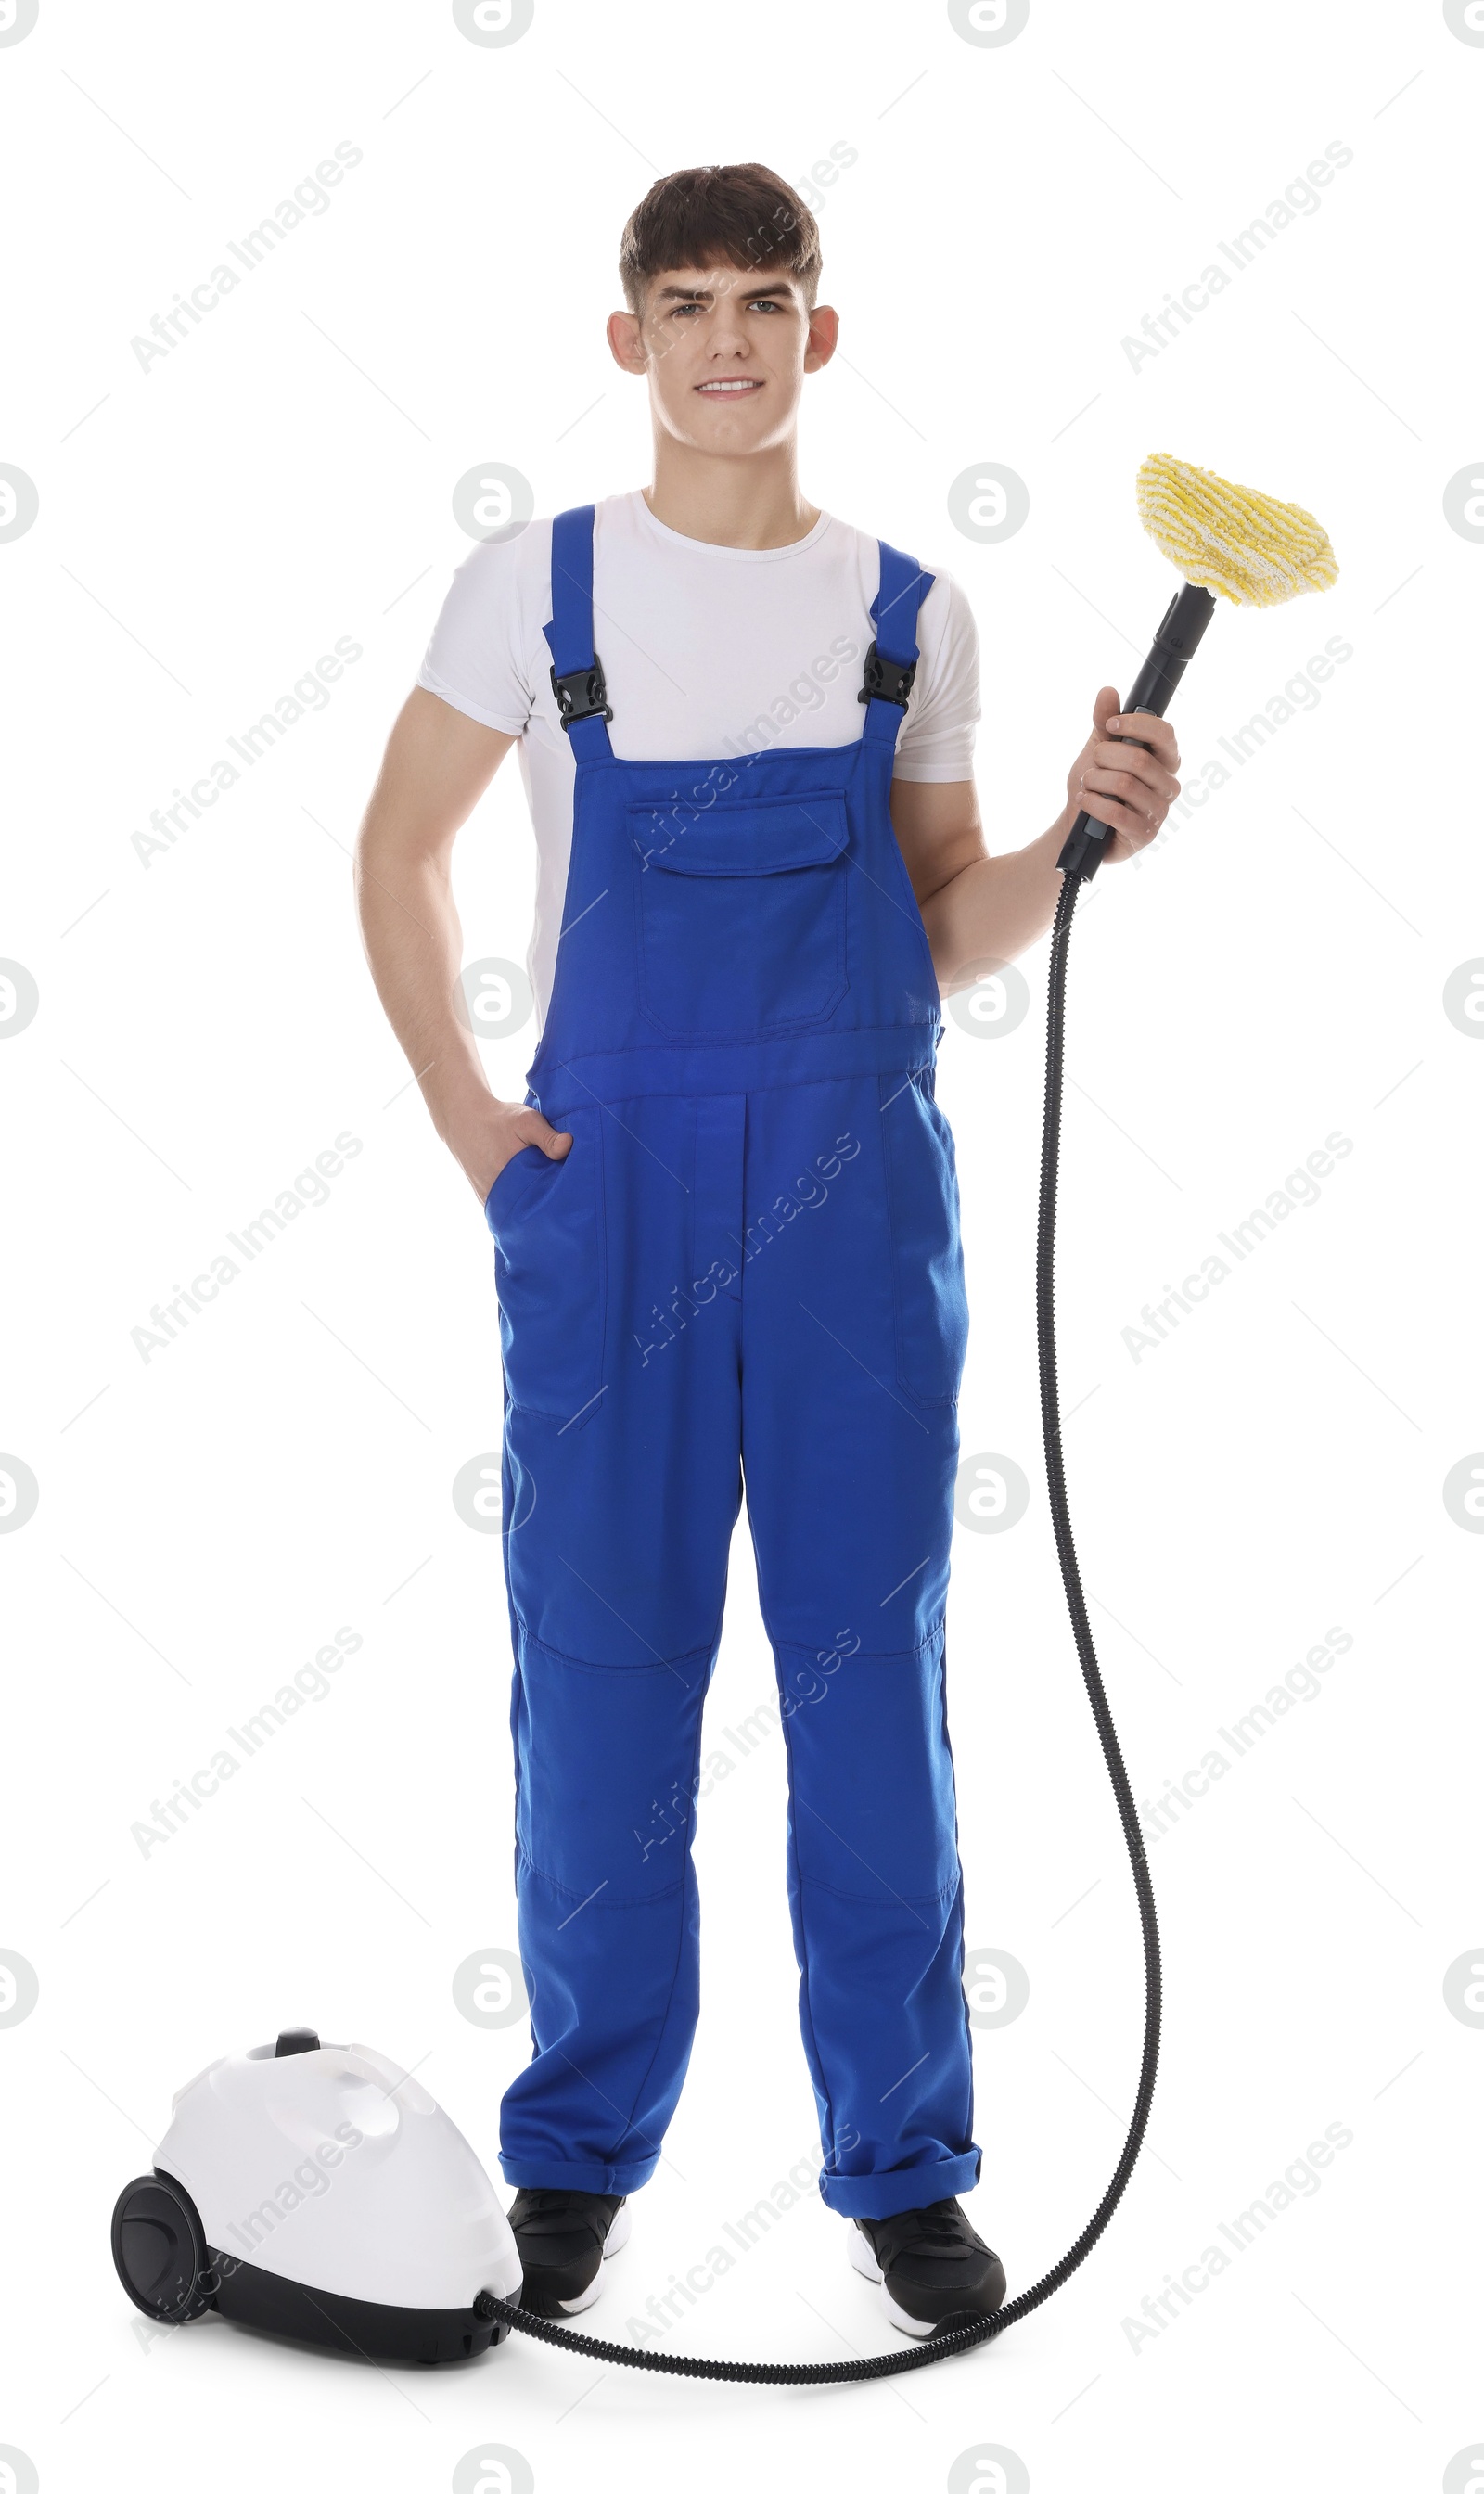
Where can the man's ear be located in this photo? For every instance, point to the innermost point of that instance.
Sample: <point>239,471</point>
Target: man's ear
<point>625,342</point>
<point>823,337</point>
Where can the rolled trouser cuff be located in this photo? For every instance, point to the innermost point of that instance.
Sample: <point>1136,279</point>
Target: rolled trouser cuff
<point>524,2174</point>
<point>909,2186</point>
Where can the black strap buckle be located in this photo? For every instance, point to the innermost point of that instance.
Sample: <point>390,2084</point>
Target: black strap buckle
<point>581,695</point>
<point>885,680</point>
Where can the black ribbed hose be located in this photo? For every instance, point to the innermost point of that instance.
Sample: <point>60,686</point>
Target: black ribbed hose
<point>958,2342</point>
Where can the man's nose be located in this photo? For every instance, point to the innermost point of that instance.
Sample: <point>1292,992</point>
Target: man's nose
<point>728,330</point>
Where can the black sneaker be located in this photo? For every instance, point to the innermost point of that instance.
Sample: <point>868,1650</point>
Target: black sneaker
<point>563,2239</point>
<point>932,2264</point>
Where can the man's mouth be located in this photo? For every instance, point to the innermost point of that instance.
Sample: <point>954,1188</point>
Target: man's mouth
<point>726,389</point>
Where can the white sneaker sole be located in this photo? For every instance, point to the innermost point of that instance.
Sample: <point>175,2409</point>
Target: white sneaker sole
<point>618,2237</point>
<point>863,2260</point>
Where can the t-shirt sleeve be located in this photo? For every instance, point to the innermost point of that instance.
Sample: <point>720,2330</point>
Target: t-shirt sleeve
<point>936,737</point>
<point>478,658</point>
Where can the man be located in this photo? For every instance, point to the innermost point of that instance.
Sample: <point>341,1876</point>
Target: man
<point>726,1226</point>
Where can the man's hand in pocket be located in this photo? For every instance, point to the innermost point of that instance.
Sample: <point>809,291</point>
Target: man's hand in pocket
<point>503,1129</point>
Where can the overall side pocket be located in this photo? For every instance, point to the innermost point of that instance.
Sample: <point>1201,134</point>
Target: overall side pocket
<point>546,1218</point>
<point>932,1310</point>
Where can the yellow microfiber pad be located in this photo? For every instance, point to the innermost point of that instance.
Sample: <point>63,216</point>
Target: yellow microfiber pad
<point>1244,545</point>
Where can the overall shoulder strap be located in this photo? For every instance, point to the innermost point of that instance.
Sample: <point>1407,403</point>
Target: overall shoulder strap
<point>577,674</point>
<point>891,661</point>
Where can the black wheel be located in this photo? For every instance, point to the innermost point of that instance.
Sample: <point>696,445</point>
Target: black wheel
<point>159,2251</point>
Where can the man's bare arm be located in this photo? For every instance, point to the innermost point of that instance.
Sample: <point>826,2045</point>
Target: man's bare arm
<point>980,908</point>
<point>976,908</point>
<point>436,765</point>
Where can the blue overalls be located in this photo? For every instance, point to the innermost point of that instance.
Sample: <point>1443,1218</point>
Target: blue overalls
<point>747,1269</point>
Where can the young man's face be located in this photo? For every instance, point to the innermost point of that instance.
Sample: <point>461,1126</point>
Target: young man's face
<point>726,351</point>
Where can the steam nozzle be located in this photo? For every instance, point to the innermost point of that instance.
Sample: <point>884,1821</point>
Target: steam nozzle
<point>1250,549</point>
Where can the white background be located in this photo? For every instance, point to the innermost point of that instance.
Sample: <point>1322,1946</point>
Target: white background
<point>1273,973</point>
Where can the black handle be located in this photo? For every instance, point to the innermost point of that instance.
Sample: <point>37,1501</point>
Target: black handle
<point>1176,644</point>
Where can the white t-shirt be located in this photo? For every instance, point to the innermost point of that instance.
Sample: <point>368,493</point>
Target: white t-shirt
<point>707,650</point>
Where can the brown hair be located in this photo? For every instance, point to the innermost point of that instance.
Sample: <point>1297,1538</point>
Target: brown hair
<point>738,214</point>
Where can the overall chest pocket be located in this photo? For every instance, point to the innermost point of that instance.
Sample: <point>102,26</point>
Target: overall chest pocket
<point>741,914</point>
